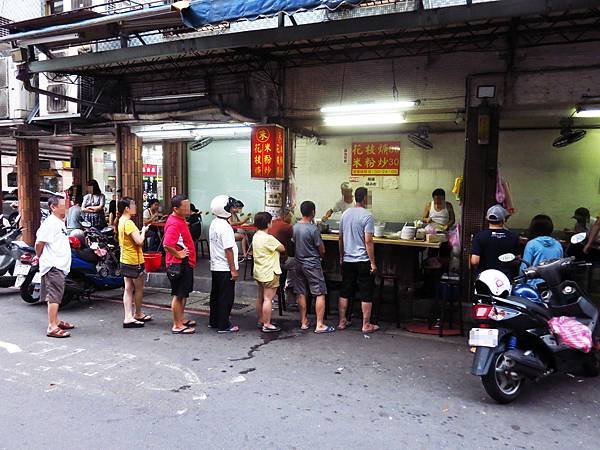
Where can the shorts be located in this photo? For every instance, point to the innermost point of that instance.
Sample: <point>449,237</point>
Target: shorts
<point>273,284</point>
<point>309,280</point>
<point>183,284</point>
<point>133,271</point>
<point>357,281</point>
<point>53,286</point>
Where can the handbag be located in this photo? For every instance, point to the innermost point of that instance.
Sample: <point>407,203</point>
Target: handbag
<point>174,270</point>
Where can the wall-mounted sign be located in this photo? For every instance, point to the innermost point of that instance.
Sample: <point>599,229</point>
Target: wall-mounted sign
<point>274,194</point>
<point>267,153</point>
<point>376,158</point>
<point>150,170</point>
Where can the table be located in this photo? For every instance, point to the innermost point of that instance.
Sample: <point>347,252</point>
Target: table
<point>244,227</point>
<point>397,260</point>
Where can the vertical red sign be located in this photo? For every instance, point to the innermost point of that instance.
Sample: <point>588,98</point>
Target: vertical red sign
<point>268,152</point>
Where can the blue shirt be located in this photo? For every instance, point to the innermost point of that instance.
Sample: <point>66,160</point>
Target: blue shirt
<point>355,222</point>
<point>538,250</point>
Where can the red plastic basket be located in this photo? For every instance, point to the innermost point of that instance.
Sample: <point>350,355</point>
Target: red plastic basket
<point>153,261</point>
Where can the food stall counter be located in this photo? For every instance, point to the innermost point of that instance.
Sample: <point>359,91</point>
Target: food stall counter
<point>390,241</point>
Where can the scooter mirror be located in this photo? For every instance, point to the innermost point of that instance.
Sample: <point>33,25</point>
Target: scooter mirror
<point>507,257</point>
<point>86,224</point>
<point>578,238</point>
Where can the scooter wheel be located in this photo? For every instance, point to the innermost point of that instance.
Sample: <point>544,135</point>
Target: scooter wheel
<point>591,365</point>
<point>499,384</point>
<point>27,291</point>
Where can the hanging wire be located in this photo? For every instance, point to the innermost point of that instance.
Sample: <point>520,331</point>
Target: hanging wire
<point>395,93</point>
<point>343,80</point>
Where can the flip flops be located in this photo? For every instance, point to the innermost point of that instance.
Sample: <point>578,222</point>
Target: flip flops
<point>328,329</point>
<point>274,329</point>
<point>190,323</point>
<point>230,329</point>
<point>184,330</point>
<point>371,330</point>
<point>146,318</point>
<point>347,324</point>
<point>304,328</point>
<point>134,324</point>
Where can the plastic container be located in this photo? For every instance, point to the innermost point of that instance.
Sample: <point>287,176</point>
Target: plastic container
<point>153,261</point>
<point>379,228</point>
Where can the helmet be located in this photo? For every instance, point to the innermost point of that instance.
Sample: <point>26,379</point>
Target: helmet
<point>221,205</point>
<point>526,291</point>
<point>74,242</point>
<point>492,282</point>
<point>79,235</point>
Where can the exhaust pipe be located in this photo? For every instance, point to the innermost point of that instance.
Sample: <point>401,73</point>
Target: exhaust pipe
<point>525,363</point>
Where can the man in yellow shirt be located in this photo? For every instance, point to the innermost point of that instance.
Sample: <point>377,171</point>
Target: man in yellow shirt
<point>267,270</point>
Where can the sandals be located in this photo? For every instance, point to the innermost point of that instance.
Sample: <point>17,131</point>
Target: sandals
<point>304,328</point>
<point>58,333</point>
<point>65,325</point>
<point>190,323</point>
<point>346,324</point>
<point>134,324</point>
<point>272,329</point>
<point>146,318</point>
<point>373,329</point>
<point>184,330</point>
<point>327,329</point>
<point>230,329</point>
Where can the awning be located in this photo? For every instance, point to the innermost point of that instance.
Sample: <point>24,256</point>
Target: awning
<point>206,12</point>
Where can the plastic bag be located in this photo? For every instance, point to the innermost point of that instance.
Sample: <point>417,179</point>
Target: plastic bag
<point>572,333</point>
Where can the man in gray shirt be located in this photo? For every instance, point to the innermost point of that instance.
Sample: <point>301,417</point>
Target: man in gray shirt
<point>309,249</point>
<point>357,256</point>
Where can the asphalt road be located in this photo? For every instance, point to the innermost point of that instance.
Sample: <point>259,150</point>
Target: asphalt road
<point>111,388</point>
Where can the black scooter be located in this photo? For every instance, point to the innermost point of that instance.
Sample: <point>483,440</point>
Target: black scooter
<point>513,342</point>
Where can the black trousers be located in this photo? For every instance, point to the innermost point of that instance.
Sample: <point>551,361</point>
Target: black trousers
<point>222,294</point>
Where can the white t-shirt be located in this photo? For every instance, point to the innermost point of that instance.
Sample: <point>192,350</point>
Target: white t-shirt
<point>341,206</point>
<point>57,251</point>
<point>221,237</point>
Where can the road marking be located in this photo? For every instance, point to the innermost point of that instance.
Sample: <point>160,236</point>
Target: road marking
<point>10,348</point>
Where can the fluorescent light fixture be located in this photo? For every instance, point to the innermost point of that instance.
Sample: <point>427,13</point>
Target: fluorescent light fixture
<point>171,97</point>
<point>191,131</point>
<point>50,39</point>
<point>588,112</point>
<point>343,120</point>
<point>358,108</point>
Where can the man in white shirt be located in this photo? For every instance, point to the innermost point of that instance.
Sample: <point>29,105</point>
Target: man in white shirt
<point>344,203</point>
<point>53,252</point>
<point>223,265</point>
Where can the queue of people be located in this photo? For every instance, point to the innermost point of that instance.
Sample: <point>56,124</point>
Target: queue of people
<point>283,254</point>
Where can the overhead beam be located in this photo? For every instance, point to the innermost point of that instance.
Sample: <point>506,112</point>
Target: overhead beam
<point>433,18</point>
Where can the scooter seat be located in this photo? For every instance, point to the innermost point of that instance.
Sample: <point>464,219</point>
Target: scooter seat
<point>535,307</point>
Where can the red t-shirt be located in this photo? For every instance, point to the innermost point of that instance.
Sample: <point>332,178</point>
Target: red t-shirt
<point>177,235</point>
<point>283,232</point>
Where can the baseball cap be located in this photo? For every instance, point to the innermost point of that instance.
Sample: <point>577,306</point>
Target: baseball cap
<point>581,213</point>
<point>496,214</point>
<point>345,186</point>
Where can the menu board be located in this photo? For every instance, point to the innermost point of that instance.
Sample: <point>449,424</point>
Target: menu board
<point>376,158</point>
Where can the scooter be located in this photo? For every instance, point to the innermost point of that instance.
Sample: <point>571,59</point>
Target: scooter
<point>7,258</point>
<point>82,281</point>
<point>513,342</point>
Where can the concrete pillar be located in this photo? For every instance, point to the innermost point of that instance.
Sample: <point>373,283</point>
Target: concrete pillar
<point>80,164</point>
<point>28,182</point>
<point>481,166</point>
<point>174,170</point>
<point>129,151</point>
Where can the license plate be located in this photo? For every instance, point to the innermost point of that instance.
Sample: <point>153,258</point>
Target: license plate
<point>37,278</point>
<point>19,281</point>
<point>21,269</point>
<point>483,337</point>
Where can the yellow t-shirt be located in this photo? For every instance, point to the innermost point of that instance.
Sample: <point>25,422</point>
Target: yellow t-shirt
<point>266,257</point>
<point>131,253</point>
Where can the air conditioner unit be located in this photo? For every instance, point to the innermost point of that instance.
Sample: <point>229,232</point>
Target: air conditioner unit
<point>15,101</point>
<point>64,85</point>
